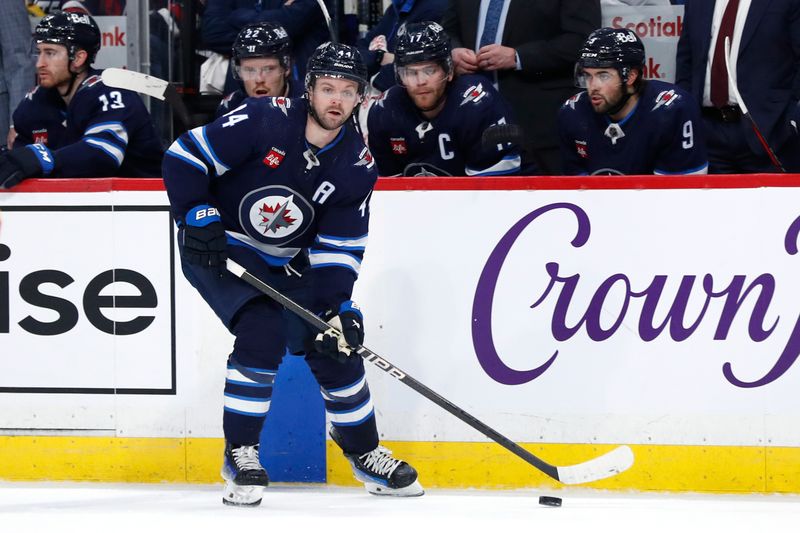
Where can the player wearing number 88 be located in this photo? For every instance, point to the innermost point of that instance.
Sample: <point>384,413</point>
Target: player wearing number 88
<point>71,124</point>
<point>622,123</point>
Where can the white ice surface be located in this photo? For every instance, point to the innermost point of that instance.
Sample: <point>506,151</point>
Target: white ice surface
<point>112,508</point>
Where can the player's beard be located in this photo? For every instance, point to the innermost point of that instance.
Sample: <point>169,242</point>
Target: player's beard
<point>610,104</point>
<point>429,101</point>
<point>330,122</point>
<point>53,79</point>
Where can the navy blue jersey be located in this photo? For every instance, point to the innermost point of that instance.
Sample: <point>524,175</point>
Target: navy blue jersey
<point>277,196</point>
<point>237,98</point>
<point>405,143</point>
<point>662,135</point>
<point>103,131</point>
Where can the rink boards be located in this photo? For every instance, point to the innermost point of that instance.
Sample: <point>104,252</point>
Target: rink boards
<point>570,314</point>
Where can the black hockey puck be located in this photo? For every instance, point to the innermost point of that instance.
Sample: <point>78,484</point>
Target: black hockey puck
<point>550,501</point>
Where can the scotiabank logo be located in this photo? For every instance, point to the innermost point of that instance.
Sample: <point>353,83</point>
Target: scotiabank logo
<point>93,303</point>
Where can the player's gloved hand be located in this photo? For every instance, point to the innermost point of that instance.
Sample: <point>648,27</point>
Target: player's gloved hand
<point>21,163</point>
<point>202,238</point>
<point>346,333</point>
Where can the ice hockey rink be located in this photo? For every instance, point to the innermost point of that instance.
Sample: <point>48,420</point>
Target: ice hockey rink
<point>90,507</point>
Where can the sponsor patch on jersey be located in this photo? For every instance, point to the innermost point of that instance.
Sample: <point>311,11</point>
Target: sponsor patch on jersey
<point>39,136</point>
<point>275,214</point>
<point>365,158</point>
<point>274,158</point>
<point>665,98</point>
<point>473,94</point>
<point>581,149</point>
<point>92,80</point>
<point>399,146</point>
<point>282,103</point>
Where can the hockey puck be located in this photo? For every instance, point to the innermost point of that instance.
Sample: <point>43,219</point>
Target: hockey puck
<point>550,501</point>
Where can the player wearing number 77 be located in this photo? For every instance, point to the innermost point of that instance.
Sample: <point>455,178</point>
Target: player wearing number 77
<point>71,124</point>
<point>622,123</point>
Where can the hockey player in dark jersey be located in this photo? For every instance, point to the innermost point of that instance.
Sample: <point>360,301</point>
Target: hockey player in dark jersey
<point>622,124</point>
<point>262,64</point>
<point>432,124</point>
<point>282,186</point>
<point>71,124</point>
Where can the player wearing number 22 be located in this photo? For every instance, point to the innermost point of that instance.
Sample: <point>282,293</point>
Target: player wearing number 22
<point>623,124</point>
<point>282,186</point>
<point>71,124</point>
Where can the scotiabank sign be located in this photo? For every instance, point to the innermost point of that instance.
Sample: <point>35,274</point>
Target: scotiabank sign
<point>86,299</point>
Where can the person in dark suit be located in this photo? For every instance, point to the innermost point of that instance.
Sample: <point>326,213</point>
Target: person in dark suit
<point>530,56</point>
<point>765,59</point>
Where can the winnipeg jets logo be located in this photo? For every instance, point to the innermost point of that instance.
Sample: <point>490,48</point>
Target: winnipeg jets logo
<point>282,103</point>
<point>614,132</point>
<point>572,100</point>
<point>473,94</point>
<point>423,128</point>
<point>665,98</point>
<point>276,217</point>
<point>275,214</point>
<point>365,158</point>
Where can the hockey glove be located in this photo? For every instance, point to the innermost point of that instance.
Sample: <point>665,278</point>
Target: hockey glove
<point>21,163</point>
<point>203,240</point>
<point>346,333</point>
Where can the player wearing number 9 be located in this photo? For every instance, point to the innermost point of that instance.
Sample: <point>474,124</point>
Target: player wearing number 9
<point>71,124</point>
<point>622,123</point>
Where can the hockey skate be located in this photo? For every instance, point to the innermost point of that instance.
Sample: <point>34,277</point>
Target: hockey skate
<point>244,476</point>
<point>382,474</point>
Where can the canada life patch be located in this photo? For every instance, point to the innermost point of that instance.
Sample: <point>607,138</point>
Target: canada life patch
<point>473,94</point>
<point>399,146</point>
<point>39,136</point>
<point>580,148</point>
<point>274,158</point>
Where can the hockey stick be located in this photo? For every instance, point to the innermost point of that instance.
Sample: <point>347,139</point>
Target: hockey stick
<point>770,152</point>
<point>610,464</point>
<point>149,85</point>
<point>324,8</point>
<point>501,134</point>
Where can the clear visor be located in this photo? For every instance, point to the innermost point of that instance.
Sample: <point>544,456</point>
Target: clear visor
<point>265,72</point>
<point>415,75</point>
<point>50,51</point>
<point>599,76</point>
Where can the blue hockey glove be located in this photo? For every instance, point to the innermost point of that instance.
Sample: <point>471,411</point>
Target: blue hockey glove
<point>21,163</point>
<point>202,238</point>
<point>346,333</point>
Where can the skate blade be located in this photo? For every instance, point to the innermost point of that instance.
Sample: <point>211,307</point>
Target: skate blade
<point>415,489</point>
<point>242,495</point>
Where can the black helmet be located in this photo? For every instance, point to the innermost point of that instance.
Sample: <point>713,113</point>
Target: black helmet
<point>619,48</point>
<point>262,39</point>
<point>73,30</point>
<point>423,41</point>
<point>336,60</point>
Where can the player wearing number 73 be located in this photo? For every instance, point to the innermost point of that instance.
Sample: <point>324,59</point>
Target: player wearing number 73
<point>71,124</point>
<point>622,123</point>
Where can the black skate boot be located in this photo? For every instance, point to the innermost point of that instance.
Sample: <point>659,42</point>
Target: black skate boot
<point>382,474</point>
<point>244,476</point>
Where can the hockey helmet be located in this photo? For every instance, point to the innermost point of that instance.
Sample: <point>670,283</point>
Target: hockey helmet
<point>72,30</point>
<point>419,42</point>
<point>618,48</point>
<point>336,60</point>
<point>262,39</point>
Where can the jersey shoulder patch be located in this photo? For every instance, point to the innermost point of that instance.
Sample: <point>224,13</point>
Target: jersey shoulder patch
<point>573,100</point>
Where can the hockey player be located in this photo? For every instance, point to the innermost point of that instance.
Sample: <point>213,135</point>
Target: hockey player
<point>622,124</point>
<point>282,186</point>
<point>261,62</point>
<point>71,124</point>
<point>432,125</point>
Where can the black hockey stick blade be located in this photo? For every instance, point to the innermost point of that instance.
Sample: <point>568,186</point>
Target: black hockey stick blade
<point>610,464</point>
<point>501,134</point>
<point>767,148</point>
<point>150,85</point>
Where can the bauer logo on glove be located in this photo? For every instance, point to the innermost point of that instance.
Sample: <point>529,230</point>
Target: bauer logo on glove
<point>345,334</point>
